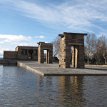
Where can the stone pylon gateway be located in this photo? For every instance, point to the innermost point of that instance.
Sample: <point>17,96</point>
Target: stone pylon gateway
<point>71,50</point>
<point>49,56</point>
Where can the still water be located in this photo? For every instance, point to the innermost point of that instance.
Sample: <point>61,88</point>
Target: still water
<point>20,88</point>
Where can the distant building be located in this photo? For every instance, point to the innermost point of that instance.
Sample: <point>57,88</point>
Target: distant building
<point>22,53</point>
<point>10,55</point>
<point>27,52</point>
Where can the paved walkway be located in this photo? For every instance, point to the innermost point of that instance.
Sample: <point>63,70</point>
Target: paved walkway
<point>54,70</point>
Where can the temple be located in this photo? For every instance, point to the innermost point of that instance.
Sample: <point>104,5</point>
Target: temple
<point>49,55</point>
<point>71,50</point>
<point>71,54</point>
<point>22,53</point>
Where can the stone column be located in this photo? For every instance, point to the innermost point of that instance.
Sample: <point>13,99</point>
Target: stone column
<point>50,56</point>
<point>47,55</point>
<point>65,53</point>
<point>81,62</point>
<point>62,59</point>
<point>68,57</point>
<point>73,56</point>
<point>76,57</point>
<point>40,55</point>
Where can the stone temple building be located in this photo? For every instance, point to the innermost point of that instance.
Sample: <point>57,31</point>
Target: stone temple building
<point>22,53</point>
<point>27,53</point>
<point>49,55</point>
<point>71,50</point>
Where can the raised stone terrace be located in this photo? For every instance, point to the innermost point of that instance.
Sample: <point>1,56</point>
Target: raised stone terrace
<point>54,70</point>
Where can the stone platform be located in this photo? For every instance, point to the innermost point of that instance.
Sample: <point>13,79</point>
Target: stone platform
<point>54,70</point>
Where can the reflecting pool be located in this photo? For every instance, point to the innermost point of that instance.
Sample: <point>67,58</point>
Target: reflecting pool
<point>21,88</point>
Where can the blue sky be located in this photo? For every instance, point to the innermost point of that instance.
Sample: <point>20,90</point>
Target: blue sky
<point>25,22</point>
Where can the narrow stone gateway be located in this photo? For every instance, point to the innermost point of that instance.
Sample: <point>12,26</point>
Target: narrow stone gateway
<point>71,50</point>
<point>41,54</point>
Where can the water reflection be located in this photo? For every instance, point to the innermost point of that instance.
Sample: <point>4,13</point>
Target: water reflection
<point>20,88</point>
<point>71,89</point>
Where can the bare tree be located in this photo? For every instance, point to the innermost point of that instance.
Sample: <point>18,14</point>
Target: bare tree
<point>90,46</point>
<point>56,46</point>
<point>102,49</point>
<point>95,48</point>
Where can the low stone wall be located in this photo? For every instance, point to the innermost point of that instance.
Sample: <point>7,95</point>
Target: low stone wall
<point>8,62</point>
<point>10,55</point>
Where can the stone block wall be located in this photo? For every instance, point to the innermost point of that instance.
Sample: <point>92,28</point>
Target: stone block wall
<point>71,42</point>
<point>27,53</point>
<point>45,46</point>
<point>10,55</point>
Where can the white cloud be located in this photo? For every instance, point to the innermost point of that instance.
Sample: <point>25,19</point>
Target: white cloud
<point>13,38</point>
<point>9,42</point>
<point>40,37</point>
<point>17,38</point>
<point>75,14</point>
<point>1,50</point>
<point>36,11</point>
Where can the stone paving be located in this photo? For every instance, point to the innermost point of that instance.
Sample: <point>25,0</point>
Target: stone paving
<point>54,70</point>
